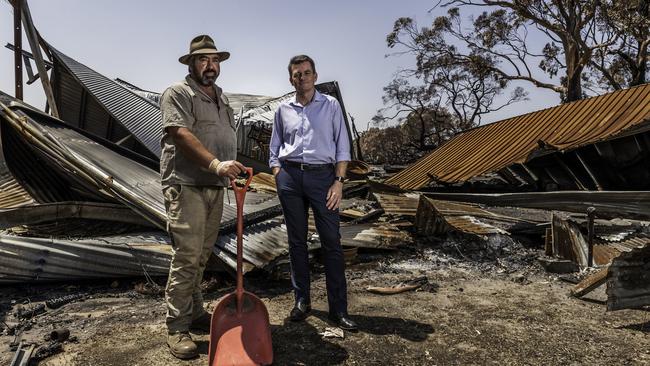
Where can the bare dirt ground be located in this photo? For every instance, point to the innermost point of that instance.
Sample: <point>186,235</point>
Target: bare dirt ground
<point>475,309</point>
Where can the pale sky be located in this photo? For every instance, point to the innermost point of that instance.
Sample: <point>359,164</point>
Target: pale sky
<point>140,41</point>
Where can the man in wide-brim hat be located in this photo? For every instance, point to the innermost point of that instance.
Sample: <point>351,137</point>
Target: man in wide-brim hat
<point>199,148</point>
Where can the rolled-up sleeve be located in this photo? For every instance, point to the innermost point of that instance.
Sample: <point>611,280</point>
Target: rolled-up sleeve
<point>176,109</point>
<point>276,140</point>
<point>340,134</point>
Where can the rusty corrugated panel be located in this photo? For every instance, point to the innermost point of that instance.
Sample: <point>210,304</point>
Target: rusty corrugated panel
<point>497,145</point>
<point>264,182</point>
<point>398,205</point>
<point>606,250</point>
<point>436,217</point>
<point>373,235</point>
<point>608,204</point>
<point>568,241</point>
<point>628,280</point>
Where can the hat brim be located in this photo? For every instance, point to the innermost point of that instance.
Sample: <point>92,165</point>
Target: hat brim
<point>223,55</point>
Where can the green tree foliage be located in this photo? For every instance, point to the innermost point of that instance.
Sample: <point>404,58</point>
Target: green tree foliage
<point>406,142</point>
<point>625,62</point>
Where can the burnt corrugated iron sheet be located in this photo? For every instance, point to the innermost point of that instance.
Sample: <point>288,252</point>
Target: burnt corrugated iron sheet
<point>140,116</point>
<point>605,250</point>
<point>55,212</point>
<point>24,259</point>
<point>497,145</point>
<point>628,279</point>
<point>264,182</point>
<point>262,243</point>
<point>373,235</point>
<point>438,217</point>
<point>236,100</point>
<point>610,239</point>
<point>86,167</point>
<point>608,204</point>
<point>398,205</point>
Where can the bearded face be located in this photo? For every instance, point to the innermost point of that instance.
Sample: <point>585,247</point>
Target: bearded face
<point>204,69</point>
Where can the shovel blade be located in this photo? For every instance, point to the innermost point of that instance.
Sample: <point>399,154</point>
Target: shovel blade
<point>240,338</point>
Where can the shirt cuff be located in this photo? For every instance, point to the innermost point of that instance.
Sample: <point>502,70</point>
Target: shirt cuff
<point>343,156</point>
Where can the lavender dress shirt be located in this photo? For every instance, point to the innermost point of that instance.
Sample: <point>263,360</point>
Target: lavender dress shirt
<point>311,134</point>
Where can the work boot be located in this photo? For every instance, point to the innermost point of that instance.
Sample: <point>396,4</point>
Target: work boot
<point>202,323</point>
<point>182,346</point>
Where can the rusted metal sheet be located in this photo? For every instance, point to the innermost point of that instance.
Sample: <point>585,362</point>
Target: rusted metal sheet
<point>611,204</point>
<point>628,282</point>
<point>438,217</point>
<point>398,205</point>
<point>373,235</point>
<point>611,238</point>
<point>264,182</point>
<point>516,140</point>
<point>568,241</point>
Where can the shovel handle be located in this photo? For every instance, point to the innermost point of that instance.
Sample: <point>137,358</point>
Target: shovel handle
<point>240,195</point>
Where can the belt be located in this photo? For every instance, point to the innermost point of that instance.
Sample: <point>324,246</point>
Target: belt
<point>303,166</point>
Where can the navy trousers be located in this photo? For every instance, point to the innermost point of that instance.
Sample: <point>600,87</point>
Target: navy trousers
<point>298,190</point>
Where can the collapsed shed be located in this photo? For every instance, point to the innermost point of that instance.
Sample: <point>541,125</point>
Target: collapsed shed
<point>599,143</point>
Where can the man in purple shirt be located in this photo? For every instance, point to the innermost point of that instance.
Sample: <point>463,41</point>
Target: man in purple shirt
<point>310,150</point>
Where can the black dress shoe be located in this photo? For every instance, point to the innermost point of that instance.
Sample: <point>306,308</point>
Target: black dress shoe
<point>300,311</point>
<point>343,321</point>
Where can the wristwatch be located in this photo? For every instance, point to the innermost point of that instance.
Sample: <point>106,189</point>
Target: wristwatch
<point>340,179</point>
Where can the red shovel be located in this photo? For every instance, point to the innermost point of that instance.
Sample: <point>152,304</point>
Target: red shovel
<point>240,333</point>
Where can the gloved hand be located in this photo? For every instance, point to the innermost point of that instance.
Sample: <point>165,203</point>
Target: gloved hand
<point>230,168</point>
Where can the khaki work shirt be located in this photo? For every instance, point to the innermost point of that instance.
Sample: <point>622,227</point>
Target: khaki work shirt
<point>184,105</point>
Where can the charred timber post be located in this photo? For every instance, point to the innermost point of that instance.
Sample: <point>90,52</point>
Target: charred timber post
<point>33,38</point>
<point>589,172</point>
<point>18,42</point>
<point>591,213</point>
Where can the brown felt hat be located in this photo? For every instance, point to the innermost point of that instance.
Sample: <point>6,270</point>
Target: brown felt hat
<point>202,45</point>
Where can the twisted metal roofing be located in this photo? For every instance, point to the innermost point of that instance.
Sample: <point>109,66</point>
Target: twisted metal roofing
<point>495,146</point>
<point>40,259</point>
<point>138,114</point>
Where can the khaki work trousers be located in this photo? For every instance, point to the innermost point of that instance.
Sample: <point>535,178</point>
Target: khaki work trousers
<point>193,219</point>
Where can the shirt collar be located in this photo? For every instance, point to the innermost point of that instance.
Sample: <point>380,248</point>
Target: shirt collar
<point>196,89</point>
<point>318,97</point>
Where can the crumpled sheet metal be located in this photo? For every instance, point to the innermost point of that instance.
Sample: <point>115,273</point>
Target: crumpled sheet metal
<point>435,217</point>
<point>374,235</point>
<point>262,243</point>
<point>101,171</point>
<point>494,146</point>
<point>628,279</point>
<point>12,194</point>
<point>25,259</point>
<point>398,205</point>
